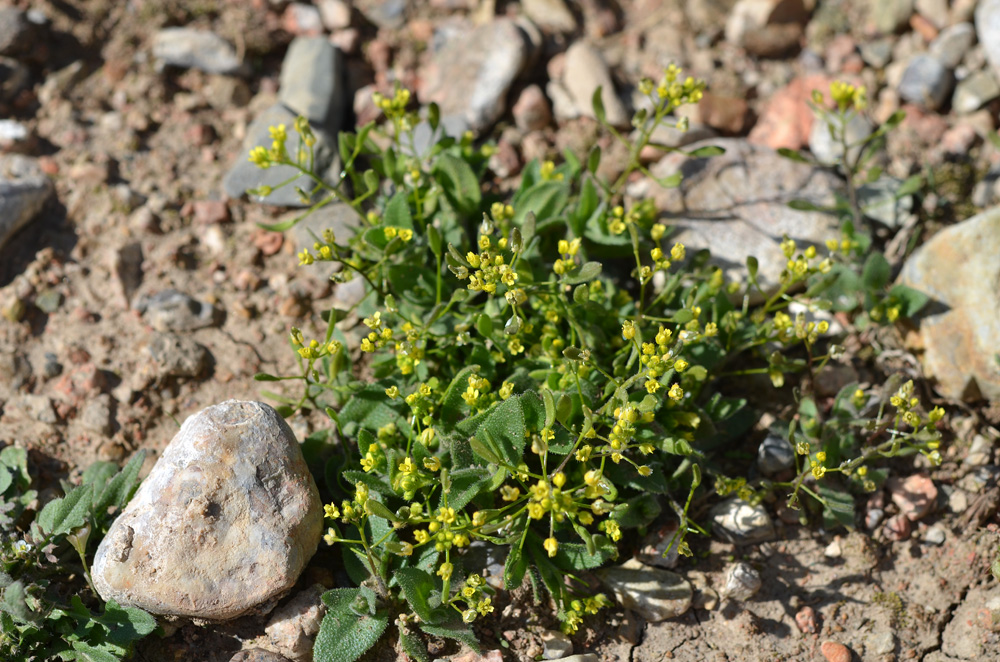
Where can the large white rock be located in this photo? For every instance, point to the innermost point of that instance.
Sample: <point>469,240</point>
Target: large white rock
<point>226,520</point>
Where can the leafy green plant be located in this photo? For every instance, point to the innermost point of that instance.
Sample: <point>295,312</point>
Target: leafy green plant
<point>531,381</point>
<point>39,617</point>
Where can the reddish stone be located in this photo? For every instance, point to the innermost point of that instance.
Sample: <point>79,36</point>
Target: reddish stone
<point>898,528</point>
<point>48,165</point>
<point>958,140</point>
<point>199,134</point>
<point>924,27</point>
<point>838,51</point>
<point>531,110</point>
<point>787,119</point>
<point>805,618</point>
<point>267,242</point>
<point>834,652</point>
<point>209,212</point>
<point>914,495</point>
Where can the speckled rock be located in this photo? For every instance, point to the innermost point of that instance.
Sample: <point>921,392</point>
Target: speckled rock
<point>24,189</point>
<point>654,594</point>
<point>171,310</point>
<point>958,330</point>
<point>224,523</point>
<point>736,205</point>
<point>736,521</point>
<point>189,48</point>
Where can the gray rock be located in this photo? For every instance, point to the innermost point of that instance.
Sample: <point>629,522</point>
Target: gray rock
<point>586,70</point>
<point>48,300</point>
<point>177,356</point>
<point>736,205</point>
<point>312,83</point>
<point>15,31</point>
<point>654,594</point>
<point>958,330</point>
<point>294,626</point>
<point>126,265</point>
<point>15,371</point>
<point>472,72</point>
<point>827,148</point>
<point>975,481</point>
<point>388,14</point>
<point>876,52</point>
<point>51,368</point>
<point>879,202</point>
<point>774,455</point>
<point>980,452</point>
<point>188,48</point>
<point>555,645</point>
<point>96,414</point>
<point>337,216</point>
<point>888,16</point>
<point>741,583</point>
<point>13,134</point>
<point>171,310</point>
<point>245,175</point>
<point>224,523</point>
<point>550,15</point>
<point>951,45</point>
<point>38,408</point>
<point>741,523</point>
<point>935,535</point>
<point>926,81</point>
<point>987,18</point>
<point>24,190</point>
<point>974,92</point>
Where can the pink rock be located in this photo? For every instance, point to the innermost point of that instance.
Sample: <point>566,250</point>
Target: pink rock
<point>787,119</point>
<point>531,110</point>
<point>834,652</point>
<point>914,495</point>
<point>805,618</point>
<point>958,140</point>
<point>209,212</point>
<point>898,528</point>
<point>727,114</point>
<point>838,51</point>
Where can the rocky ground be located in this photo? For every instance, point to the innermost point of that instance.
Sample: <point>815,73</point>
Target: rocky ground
<point>136,288</point>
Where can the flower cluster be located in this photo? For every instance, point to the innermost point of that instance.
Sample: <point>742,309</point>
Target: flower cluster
<point>490,268</point>
<point>670,92</point>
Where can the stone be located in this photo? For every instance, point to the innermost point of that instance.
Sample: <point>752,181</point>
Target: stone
<point>586,657</point>
<point>935,535</point>
<point>915,495</point>
<point>727,114</point>
<point>244,175</point>
<point>555,645</point>
<point>293,626</point>
<point>987,22</point>
<point>748,17</point>
<point>957,268</point>
<point>898,528</point>
<point>37,407</point>
<point>889,16</point>
<point>339,217</point>
<point>189,48</point>
<point>550,15</point>
<point>828,149</point>
<point>258,655</point>
<point>531,110</point>
<point>171,310</point>
<point>876,52</point>
<point>774,41</point>
<point>786,120</point>
<point>968,635</point>
<point>15,31</point>
<point>224,523</point>
<point>335,14</point>
<point>388,14</point>
<point>879,201</point>
<point>16,137</point>
<point>24,190</point>
<point>741,583</point>
<point>96,415</point>
<point>974,92</point>
<point>741,523</point>
<point>15,371</point>
<point>472,72</point>
<point>774,455</point>
<point>494,655</point>
<point>835,652</point>
<point>980,452</point>
<point>302,20</point>
<point>586,70</point>
<point>736,205</point>
<point>805,619</point>
<point>661,547</point>
<point>668,135</point>
<point>312,83</point>
<point>935,11</point>
<point>952,43</point>
<point>177,356</point>
<point>926,82</point>
<point>654,594</point>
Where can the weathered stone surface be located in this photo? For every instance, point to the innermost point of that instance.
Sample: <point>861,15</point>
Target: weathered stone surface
<point>293,627</point>
<point>472,72</point>
<point>736,205</point>
<point>24,189</point>
<point>177,356</point>
<point>171,310</point>
<point>195,49</point>
<point>225,521</point>
<point>959,330</point>
<point>742,582</point>
<point>312,82</point>
<point>654,594</point>
<point>736,521</point>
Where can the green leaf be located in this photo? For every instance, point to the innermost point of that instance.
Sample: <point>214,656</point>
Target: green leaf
<point>545,200</point>
<point>344,636</point>
<point>913,300</point>
<point>457,631</point>
<point>126,624</point>
<point>577,557</point>
<point>484,325</point>
<point>588,272</point>
<point>597,103</point>
<point>484,451</point>
<point>13,603</point>
<point>416,586</point>
<point>503,429</point>
<point>706,151</point>
<point>264,377</point>
<point>414,646</point>
<point>637,511</point>
<point>594,159</point>
<point>60,516</point>
<point>433,115</point>
<point>466,484</point>
<point>367,408</point>
<point>397,212</point>
<point>92,653</point>
<point>434,239</point>
<point>514,568</point>
<point>752,267</point>
<point>459,183</point>
<point>876,272</point>
<point>670,181</point>
<point>550,407</point>
<point>910,186</point>
<point>120,488</point>
<point>804,205</point>
<point>838,507</point>
<point>792,155</point>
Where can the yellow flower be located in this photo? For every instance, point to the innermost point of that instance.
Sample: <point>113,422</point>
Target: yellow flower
<point>260,157</point>
<point>331,511</point>
<point>652,385</point>
<point>407,466</point>
<point>628,329</point>
<point>330,537</point>
<point>484,607</point>
<point>551,546</point>
<point>506,390</point>
<point>432,463</point>
<point>657,231</point>
<point>676,392</point>
<point>445,570</point>
<point>678,251</point>
<point>392,392</point>
<point>406,234</point>
<point>305,258</point>
<point>421,536</point>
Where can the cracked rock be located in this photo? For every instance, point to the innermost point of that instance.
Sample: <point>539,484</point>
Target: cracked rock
<point>224,523</point>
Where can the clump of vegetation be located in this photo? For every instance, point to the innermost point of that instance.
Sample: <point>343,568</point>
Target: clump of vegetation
<point>544,372</point>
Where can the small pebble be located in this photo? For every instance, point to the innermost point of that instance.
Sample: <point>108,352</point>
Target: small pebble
<point>834,652</point>
<point>934,535</point>
<point>914,495</point>
<point>898,528</point>
<point>805,618</point>
<point>833,550</point>
<point>742,582</point>
<point>556,645</point>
